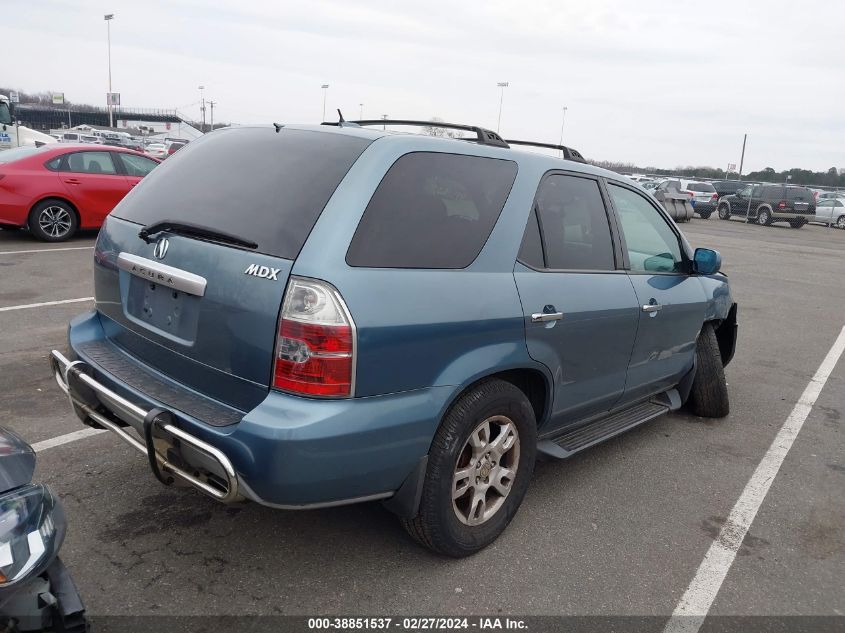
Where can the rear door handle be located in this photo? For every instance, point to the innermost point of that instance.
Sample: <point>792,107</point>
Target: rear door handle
<point>543,317</point>
<point>72,181</point>
<point>652,307</point>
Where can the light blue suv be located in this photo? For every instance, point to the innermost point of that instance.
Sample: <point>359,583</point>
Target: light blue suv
<point>308,316</point>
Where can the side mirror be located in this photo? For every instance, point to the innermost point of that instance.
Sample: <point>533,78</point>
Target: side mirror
<point>706,261</point>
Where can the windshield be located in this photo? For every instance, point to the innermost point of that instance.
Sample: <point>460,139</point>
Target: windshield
<point>5,115</point>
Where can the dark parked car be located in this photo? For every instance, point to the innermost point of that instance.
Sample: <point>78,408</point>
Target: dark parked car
<point>766,204</point>
<point>311,316</point>
<point>728,187</point>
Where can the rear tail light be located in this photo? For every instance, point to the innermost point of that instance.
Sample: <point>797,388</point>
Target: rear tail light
<point>782,204</point>
<point>315,348</point>
<point>715,196</point>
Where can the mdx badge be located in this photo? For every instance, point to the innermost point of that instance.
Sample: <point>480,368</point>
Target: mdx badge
<point>265,272</point>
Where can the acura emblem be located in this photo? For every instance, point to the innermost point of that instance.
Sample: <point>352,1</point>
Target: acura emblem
<point>161,248</point>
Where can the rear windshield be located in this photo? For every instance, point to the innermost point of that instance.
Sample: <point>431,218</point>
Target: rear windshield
<point>432,210</point>
<point>262,186</point>
<point>701,186</point>
<point>799,193</point>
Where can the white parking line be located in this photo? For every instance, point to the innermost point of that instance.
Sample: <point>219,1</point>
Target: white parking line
<point>46,303</point>
<point>48,250</point>
<point>696,602</point>
<point>65,439</point>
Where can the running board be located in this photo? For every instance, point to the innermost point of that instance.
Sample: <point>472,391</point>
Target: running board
<point>587,435</point>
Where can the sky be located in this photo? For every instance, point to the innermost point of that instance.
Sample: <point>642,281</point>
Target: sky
<point>653,83</point>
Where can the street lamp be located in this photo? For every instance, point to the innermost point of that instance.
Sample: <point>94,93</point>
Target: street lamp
<point>384,118</point>
<point>325,88</point>
<point>502,85</point>
<point>361,113</point>
<point>562,123</point>
<point>202,107</point>
<point>108,17</point>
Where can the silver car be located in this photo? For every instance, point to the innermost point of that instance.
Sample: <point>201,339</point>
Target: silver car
<point>831,211</point>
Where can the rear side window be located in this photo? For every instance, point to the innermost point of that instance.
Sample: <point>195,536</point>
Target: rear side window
<point>531,250</point>
<point>138,166</point>
<point>432,210</point>
<point>772,193</point>
<point>574,225</point>
<point>89,163</point>
<point>262,186</point>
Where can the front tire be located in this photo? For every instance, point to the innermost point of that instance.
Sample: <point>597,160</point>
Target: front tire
<point>724,212</point>
<point>709,395</point>
<point>53,221</point>
<point>479,466</point>
<point>840,222</point>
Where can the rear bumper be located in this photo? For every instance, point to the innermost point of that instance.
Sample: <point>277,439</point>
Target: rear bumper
<point>288,452</point>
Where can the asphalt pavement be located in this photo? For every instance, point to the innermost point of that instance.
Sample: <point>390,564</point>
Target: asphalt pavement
<point>618,530</point>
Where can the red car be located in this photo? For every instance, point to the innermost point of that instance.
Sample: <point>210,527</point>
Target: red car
<point>56,189</point>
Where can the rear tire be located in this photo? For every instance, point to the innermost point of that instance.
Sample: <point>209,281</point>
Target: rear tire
<point>456,524</point>
<point>764,217</point>
<point>724,212</point>
<point>53,220</point>
<point>705,215</point>
<point>709,395</point>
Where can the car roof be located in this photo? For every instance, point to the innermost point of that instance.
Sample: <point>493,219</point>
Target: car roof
<point>422,142</point>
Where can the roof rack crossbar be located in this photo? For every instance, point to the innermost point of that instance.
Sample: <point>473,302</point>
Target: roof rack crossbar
<point>568,152</point>
<point>482,136</point>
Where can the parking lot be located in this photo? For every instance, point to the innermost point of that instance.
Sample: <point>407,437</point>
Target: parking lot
<point>618,530</point>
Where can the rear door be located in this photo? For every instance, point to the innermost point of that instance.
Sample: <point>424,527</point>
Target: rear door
<point>579,307</point>
<point>671,304</point>
<point>93,183</point>
<point>204,310</point>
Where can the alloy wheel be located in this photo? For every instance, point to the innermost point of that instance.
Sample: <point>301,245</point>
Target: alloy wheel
<point>840,222</point>
<point>55,221</point>
<point>485,470</point>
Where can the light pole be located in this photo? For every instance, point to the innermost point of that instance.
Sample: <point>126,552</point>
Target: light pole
<point>325,88</point>
<point>384,118</point>
<point>211,103</point>
<point>108,17</point>
<point>202,107</point>
<point>502,85</point>
<point>361,113</point>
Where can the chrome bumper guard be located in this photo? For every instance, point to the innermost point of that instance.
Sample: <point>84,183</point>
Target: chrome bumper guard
<point>86,395</point>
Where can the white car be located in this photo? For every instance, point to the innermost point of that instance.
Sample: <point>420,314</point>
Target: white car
<point>703,196</point>
<point>831,211</point>
<point>156,150</point>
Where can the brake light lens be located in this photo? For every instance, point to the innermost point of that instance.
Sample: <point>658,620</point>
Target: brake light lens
<point>315,347</point>
<point>715,196</point>
<point>782,204</point>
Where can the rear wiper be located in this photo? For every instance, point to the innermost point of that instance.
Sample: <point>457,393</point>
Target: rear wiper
<point>183,228</point>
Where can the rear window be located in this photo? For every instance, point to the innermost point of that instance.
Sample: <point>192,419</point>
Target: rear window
<point>701,186</point>
<point>262,186</point>
<point>432,210</point>
<point>799,193</point>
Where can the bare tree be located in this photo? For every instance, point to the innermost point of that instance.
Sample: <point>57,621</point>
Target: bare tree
<point>434,130</point>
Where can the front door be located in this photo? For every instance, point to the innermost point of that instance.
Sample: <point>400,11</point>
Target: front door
<point>579,307</point>
<point>671,303</point>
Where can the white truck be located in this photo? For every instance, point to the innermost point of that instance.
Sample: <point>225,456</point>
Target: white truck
<point>15,135</point>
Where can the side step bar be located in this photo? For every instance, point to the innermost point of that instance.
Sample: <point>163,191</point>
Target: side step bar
<point>576,440</point>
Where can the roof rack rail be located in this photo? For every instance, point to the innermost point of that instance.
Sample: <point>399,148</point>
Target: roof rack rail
<point>482,136</point>
<point>568,152</point>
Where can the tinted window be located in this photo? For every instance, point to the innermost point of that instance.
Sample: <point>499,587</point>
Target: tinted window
<point>574,224</point>
<point>531,250</point>
<point>53,165</point>
<point>137,165</point>
<point>838,203</point>
<point>431,210</point>
<point>89,163</point>
<point>771,193</point>
<point>701,186</point>
<point>264,187</point>
<point>651,243</point>
<point>800,194</point>
<point>756,192</point>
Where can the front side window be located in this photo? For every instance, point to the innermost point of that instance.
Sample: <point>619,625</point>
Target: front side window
<point>138,166</point>
<point>575,230</point>
<point>90,163</point>
<point>651,243</point>
<point>432,210</point>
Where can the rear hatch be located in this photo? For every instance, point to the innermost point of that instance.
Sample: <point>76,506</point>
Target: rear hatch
<point>197,298</point>
<point>702,192</point>
<point>801,200</point>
